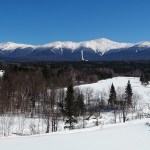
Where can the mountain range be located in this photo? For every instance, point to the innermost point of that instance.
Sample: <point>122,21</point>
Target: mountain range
<point>94,50</point>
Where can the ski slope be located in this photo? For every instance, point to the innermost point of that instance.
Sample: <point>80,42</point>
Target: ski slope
<point>133,135</point>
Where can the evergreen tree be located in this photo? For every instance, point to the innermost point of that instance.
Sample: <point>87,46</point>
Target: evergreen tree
<point>144,78</point>
<point>80,104</point>
<point>112,96</point>
<point>46,72</point>
<point>128,94</point>
<point>69,109</point>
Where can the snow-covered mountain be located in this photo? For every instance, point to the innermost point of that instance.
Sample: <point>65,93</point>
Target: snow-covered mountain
<point>104,45</point>
<point>95,50</point>
<point>99,45</point>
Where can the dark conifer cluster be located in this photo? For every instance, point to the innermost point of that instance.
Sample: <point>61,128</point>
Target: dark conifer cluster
<point>124,103</point>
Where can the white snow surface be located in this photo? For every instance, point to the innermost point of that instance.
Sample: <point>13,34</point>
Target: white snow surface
<point>133,135</point>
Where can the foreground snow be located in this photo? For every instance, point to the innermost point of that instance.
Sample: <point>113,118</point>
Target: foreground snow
<point>133,135</point>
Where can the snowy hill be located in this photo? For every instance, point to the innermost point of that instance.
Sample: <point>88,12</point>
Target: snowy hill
<point>93,50</point>
<point>120,84</point>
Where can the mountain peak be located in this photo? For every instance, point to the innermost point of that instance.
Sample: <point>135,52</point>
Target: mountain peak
<point>104,45</point>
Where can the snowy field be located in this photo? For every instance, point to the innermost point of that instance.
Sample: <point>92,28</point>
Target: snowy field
<point>141,93</point>
<point>120,84</point>
<point>133,135</point>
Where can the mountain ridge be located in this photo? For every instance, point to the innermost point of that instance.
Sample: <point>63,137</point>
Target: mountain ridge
<point>93,50</point>
<point>93,44</point>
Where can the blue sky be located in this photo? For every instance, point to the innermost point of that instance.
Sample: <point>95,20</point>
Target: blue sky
<point>44,21</point>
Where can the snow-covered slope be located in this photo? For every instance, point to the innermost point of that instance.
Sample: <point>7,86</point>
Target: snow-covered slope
<point>120,84</point>
<point>132,135</point>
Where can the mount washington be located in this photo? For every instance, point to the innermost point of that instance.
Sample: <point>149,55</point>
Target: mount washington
<point>94,50</point>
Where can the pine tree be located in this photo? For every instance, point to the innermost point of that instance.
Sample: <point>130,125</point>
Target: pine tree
<point>80,104</point>
<point>128,94</point>
<point>144,79</point>
<point>69,109</point>
<point>112,96</point>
